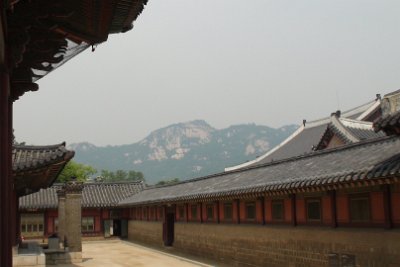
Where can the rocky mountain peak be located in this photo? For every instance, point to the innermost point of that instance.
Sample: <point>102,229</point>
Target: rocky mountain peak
<point>83,146</point>
<point>185,150</point>
<point>174,141</point>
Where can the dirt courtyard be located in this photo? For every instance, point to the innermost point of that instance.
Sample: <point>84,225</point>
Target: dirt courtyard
<point>116,253</point>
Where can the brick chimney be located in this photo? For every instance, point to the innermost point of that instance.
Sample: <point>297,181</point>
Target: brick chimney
<point>61,213</point>
<point>73,215</point>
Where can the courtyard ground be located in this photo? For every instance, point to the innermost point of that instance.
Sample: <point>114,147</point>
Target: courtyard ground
<point>117,253</point>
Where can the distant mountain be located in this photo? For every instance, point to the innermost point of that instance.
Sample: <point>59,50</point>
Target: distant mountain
<point>185,150</point>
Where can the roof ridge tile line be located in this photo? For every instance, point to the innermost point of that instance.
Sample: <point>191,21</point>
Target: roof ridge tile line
<point>366,124</point>
<point>33,147</point>
<point>311,154</point>
<point>307,155</point>
<point>354,110</point>
<point>112,183</point>
<point>345,114</point>
<point>345,177</point>
<point>339,125</point>
<point>284,142</point>
<point>369,110</point>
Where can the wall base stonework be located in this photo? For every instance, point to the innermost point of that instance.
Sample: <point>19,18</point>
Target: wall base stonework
<point>145,232</point>
<point>257,245</point>
<point>56,258</point>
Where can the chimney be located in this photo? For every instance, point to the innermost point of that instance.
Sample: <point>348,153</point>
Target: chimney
<point>337,113</point>
<point>73,215</point>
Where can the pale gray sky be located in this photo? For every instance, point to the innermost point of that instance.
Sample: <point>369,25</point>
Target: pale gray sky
<point>224,61</point>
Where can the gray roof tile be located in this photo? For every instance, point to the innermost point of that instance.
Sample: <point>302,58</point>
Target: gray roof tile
<point>94,195</point>
<point>360,160</point>
<point>304,140</point>
<point>388,123</point>
<point>25,158</point>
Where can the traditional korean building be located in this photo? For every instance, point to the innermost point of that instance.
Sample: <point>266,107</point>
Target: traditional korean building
<point>334,204</point>
<point>334,207</point>
<point>309,135</point>
<point>329,195</point>
<point>35,38</point>
<point>101,214</point>
<point>389,122</point>
<point>341,131</point>
<point>34,167</point>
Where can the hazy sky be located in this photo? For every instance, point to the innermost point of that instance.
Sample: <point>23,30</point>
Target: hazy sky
<point>224,61</point>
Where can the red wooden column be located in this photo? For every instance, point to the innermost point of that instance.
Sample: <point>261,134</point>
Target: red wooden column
<point>262,202</point>
<point>187,212</point>
<point>216,204</point>
<point>332,195</point>
<point>6,239</point>
<point>294,210</point>
<point>387,203</point>
<point>201,211</point>
<point>18,219</point>
<point>237,202</point>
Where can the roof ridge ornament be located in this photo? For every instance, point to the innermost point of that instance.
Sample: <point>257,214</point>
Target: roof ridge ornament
<point>73,186</point>
<point>337,113</point>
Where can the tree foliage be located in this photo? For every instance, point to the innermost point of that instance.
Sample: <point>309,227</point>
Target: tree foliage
<point>73,169</point>
<point>121,175</point>
<point>168,182</point>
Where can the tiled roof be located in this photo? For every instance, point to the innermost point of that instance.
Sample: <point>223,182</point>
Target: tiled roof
<point>108,194</point>
<point>36,167</point>
<point>25,158</point>
<point>43,199</point>
<point>363,134</point>
<point>361,130</point>
<point>307,137</point>
<point>94,195</point>
<point>348,130</point>
<point>362,161</point>
<point>388,123</point>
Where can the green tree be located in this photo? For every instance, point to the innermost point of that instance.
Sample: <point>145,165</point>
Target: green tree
<point>135,176</point>
<point>73,169</point>
<point>168,182</point>
<point>121,175</point>
<point>107,175</point>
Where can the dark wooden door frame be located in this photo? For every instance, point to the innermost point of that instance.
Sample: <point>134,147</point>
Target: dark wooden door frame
<point>169,225</point>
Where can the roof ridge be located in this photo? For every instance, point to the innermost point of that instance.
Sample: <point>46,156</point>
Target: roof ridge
<point>330,150</point>
<point>364,124</point>
<point>112,183</point>
<point>272,163</point>
<point>103,183</point>
<point>33,147</point>
<point>337,123</point>
<point>372,108</point>
<point>269,152</point>
<point>345,114</point>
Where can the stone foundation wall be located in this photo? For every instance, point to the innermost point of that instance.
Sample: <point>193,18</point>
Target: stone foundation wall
<point>145,232</point>
<point>276,246</point>
<point>255,245</point>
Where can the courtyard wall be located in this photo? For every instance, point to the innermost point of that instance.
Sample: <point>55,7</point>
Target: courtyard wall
<point>277,245</point>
